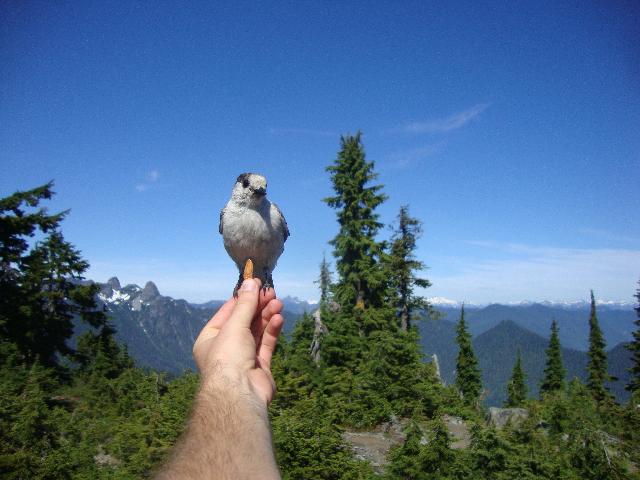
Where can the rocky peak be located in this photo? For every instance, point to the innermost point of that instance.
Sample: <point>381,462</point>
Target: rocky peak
<point>106,290</point>
<point>149,292</point>
<point>114,283</point>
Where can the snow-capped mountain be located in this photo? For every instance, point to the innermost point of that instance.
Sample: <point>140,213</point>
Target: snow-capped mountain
<point>568,305</point>
<point>158,330</point>
<point>443,302</point>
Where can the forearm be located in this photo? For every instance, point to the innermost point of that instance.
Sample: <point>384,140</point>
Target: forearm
<point>228,437</point>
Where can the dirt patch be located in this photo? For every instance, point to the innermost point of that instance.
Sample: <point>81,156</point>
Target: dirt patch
<point>374,445</point>
<point>459,431</point>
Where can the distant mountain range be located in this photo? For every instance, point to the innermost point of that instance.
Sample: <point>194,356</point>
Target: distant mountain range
<point>291,304</point>
<point>159,332</point>
<point>496,350</point>
<point>616,322</point>
<point>580,304</point>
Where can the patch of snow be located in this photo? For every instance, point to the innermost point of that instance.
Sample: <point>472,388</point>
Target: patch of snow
<point>117,296</point>
<point>564,304</point>
<point>443,302</point>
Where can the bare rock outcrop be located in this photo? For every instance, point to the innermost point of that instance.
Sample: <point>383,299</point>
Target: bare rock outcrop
<point>459,431</point>
<point>499,417</point>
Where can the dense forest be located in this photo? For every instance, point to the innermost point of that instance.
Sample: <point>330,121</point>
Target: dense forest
<point>353,369</point>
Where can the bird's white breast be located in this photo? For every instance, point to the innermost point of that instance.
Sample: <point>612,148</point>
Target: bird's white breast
<point>255,234</point>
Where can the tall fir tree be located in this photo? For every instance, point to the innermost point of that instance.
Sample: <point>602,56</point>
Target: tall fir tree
<point>40,285</point>
<point>369,368</point>
<point>403,266</point>
<point>356,250</point>
<point>517,387</point>
<point>554,372</point>
<point>634,346</point>
<point>597,364</point>
<point>468,380</point>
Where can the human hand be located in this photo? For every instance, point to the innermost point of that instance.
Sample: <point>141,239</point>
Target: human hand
<point>234,349</point>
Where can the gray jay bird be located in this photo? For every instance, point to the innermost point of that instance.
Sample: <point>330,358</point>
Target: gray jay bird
<point>253,228</point>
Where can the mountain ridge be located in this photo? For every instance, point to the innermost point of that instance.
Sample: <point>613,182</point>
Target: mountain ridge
<point>616,324</point>
<point>496,351</point>
<point>567,304</point>
<point>159,332</point>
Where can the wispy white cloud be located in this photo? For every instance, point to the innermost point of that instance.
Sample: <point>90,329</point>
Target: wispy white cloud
<point>405,158</point>
<point>302,131</point>
<point>152,177</point>
<point>447,124</point>
<point>540,273</point>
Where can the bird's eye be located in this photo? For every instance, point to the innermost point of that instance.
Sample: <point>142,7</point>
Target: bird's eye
<point>245,183</point>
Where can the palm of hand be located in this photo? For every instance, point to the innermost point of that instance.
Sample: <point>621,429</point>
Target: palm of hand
<point>238,342</point>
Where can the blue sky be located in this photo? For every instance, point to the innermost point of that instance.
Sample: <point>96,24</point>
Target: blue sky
<point>511,130</point>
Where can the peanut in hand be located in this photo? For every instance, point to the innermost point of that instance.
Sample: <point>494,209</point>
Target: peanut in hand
<point>248,270</point>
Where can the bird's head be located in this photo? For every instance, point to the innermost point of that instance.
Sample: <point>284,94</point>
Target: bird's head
<point>250,189</point>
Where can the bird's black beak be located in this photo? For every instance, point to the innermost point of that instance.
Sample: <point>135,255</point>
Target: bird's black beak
<point>260,192</point>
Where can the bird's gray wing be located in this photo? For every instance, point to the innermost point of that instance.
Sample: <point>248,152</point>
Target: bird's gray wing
<point>283,222</point>
<point>221,217</point>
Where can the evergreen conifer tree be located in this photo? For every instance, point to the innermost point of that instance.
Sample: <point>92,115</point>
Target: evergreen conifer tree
<point>468,378</point>
<point>597,365</point>
<point>517,388</point>
<point>40,286</point>
<point>402,266</point>
<point>356,250</point>
<point>554,371</point>
<point>634,347</point>
<point>405,460</point>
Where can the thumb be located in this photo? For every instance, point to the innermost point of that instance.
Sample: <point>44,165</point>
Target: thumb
<point>246,305</point>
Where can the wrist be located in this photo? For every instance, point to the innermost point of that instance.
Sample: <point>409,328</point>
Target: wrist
<point>232,389</point>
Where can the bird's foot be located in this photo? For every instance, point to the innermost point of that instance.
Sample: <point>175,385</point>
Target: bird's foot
<point>268,281</point>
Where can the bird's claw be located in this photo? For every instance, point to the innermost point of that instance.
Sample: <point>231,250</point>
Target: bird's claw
<point>268,282</point>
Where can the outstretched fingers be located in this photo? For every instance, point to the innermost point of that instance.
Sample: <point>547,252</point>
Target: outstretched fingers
<point>269,341</point>
<point>258,326</point>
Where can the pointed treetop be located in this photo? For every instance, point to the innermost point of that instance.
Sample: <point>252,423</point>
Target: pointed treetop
<point>554,372</point>
<point>517,387</point>
<point>468,378</point>
<point>597,365</point>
